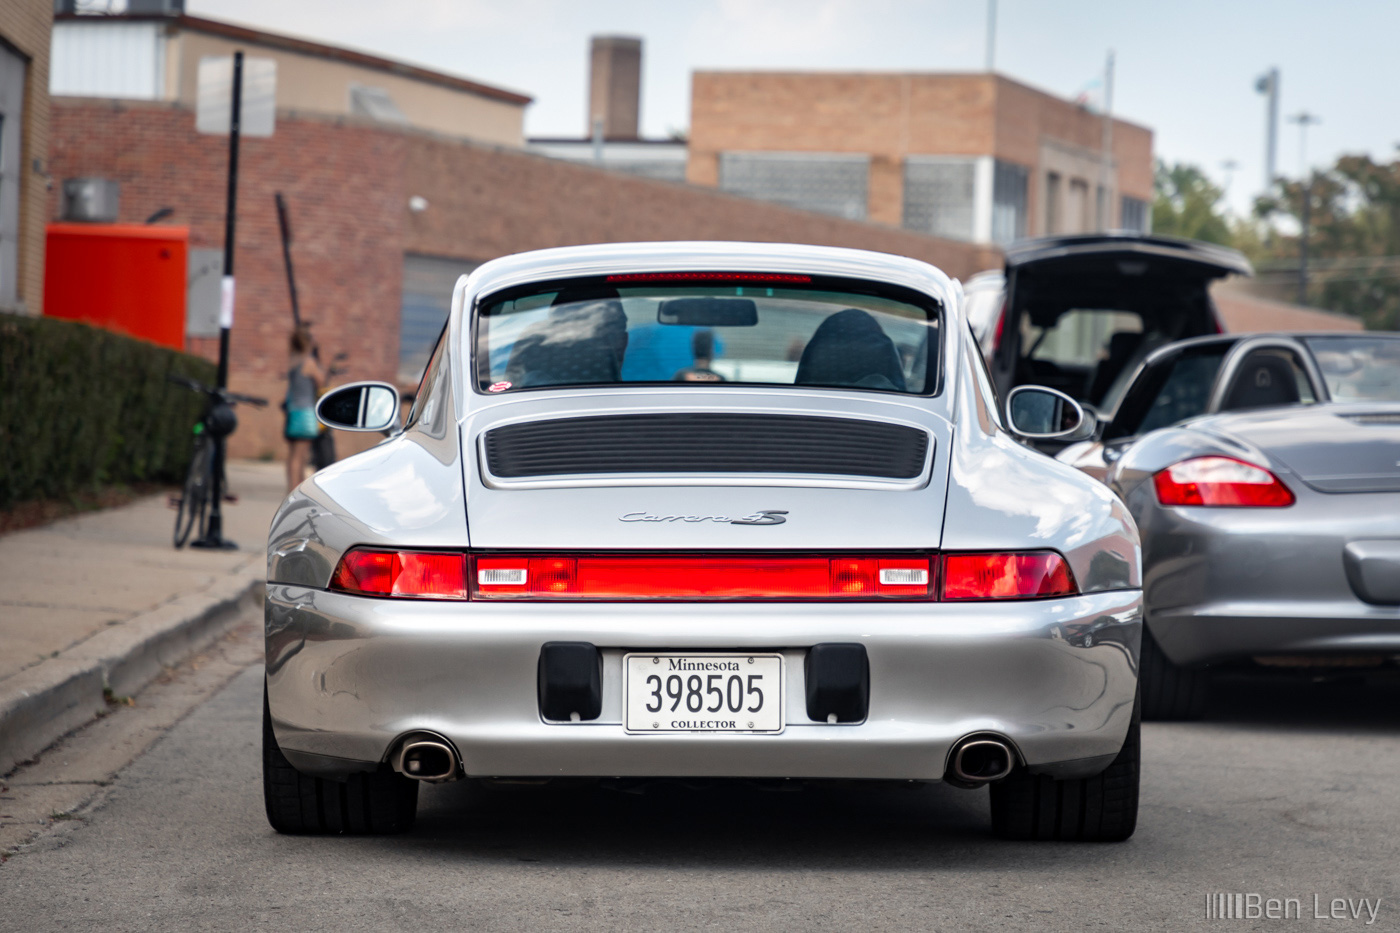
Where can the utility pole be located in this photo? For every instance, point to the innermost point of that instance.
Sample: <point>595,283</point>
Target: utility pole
<point>991,35</point>
<point>1267,84</point>
<point>1106,159</point>
<point>1304,120</point>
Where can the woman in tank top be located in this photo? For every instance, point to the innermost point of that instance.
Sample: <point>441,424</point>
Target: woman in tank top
<point>304,375</point>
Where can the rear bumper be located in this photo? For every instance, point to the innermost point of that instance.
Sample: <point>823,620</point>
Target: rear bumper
<point>1225,631</point>
<point>1311,579</point>
<point>347,676</point>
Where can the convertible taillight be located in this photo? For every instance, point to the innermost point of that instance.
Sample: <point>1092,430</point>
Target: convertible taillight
<point>411,574</point>
<point>702,577</point>
<point>1220,481</point>
<point>1018,575</point>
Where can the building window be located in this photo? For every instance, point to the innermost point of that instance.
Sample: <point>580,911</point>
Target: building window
<point>375,103</point>
<point>1010,184</point>
<point>1077,218</point>
<point>428,282</point>
<point>1054,221</point>
<point>1135,215</point>
<point>828,183</point>
<point>939,196</point>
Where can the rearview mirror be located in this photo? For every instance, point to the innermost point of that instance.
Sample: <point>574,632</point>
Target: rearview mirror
<point>360,406</point>
<point>708,312</point>
<point>1038,413</point>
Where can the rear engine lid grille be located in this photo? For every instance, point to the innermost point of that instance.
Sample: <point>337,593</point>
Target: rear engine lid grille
<point>706,442</point>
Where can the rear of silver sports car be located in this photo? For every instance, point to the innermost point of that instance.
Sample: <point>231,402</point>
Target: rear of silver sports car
<point>741,581</point>
<point>1292,559</point>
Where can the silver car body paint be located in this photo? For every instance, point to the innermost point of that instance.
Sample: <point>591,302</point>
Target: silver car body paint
<point>348,675</point>
<point>1317,578</point>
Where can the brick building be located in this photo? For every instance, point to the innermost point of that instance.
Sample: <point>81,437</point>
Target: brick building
<point>972,157</point>
<point>386,218</point>
<point>24,146</point>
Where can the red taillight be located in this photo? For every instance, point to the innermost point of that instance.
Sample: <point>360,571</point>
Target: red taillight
<point>1001,328</point>
<point>702,577</point>
<point>1220,481</point>
<point>415,574</point>
<point>767,278</point>
<point>1007,576</point>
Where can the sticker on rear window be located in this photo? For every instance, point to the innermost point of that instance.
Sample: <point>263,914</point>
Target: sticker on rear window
<point>499,386</point>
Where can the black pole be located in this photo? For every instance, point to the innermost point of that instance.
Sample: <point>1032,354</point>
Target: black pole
<point>1303,242</point>
<point>214,532</point>
<point>286,229</point>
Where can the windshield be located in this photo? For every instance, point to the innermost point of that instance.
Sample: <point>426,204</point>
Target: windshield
<point>711,328</point>
<point>1359,369</point>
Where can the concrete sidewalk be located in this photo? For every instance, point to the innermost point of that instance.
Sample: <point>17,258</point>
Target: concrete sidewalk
<point>103,601</point>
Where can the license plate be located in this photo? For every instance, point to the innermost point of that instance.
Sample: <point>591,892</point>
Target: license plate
<point>703,693</point>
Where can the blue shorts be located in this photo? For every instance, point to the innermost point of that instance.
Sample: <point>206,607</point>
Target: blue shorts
<point>301,425</point>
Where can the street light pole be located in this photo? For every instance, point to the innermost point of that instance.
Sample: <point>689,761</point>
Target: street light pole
<point>991,35</point>
<point>1267,84</point>
<point>214,531</point>
<point>1304,120</point>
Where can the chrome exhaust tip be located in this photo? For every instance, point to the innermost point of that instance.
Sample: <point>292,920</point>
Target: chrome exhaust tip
<point>980,760</point>
<point>427,759</point>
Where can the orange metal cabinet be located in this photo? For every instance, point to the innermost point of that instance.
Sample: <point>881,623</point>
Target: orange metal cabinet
<point>123,277</point>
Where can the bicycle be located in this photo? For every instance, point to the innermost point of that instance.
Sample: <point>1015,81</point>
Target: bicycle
<point>218,420</point>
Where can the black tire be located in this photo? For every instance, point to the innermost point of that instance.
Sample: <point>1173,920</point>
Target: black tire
<point>194,498</point>
<point>1170,692</point>
<point>1102,808</point>
<point>379,803</point>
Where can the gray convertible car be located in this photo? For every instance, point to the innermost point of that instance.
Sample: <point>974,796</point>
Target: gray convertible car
<point>703,511</point>
<point>1264,473</point>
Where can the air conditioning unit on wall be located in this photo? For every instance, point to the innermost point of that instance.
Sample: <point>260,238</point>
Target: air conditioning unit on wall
<point>90,200</point>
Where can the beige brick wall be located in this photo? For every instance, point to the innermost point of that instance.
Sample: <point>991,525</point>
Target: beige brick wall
<point>25,25</point>
<point>889,116</point>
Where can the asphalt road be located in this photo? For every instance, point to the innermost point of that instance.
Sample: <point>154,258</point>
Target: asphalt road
<point>1289,791</point>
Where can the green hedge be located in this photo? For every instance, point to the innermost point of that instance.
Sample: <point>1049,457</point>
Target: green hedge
<point>82,407</point>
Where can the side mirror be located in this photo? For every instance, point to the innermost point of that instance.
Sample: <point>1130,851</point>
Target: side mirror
<point>360,406</point>
<point>1038,413</point>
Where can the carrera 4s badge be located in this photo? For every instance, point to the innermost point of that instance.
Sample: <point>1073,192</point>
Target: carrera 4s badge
<point>766,517</point>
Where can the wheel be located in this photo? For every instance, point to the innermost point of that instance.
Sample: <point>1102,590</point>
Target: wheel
<point>1168,691</point>
<point>378,803</point>
<point>1102,808</point>
<point>194,498</point>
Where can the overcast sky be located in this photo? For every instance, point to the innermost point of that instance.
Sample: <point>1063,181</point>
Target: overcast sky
<point>1185,68</point>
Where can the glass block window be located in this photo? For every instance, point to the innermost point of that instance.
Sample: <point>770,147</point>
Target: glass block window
<point>828,183</point>
<point>1135,215</point>
<point>1010,205</point>
<point>938,196</point>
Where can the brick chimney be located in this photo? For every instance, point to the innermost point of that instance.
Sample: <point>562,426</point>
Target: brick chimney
<point>615,86</point>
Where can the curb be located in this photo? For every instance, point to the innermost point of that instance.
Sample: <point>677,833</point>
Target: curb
<point>42,703</point>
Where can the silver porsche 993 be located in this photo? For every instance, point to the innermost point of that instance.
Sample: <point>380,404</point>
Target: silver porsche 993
<point>704,510</point>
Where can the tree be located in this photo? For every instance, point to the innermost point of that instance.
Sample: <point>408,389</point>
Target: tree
<point>1353,241</point>
<point>1186,204</point>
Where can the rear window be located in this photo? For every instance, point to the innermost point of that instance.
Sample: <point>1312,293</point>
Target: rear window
<point>711,329</point>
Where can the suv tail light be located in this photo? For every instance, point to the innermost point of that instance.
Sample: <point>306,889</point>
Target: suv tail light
<point>703,577</point>
<point>1220,481</point>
